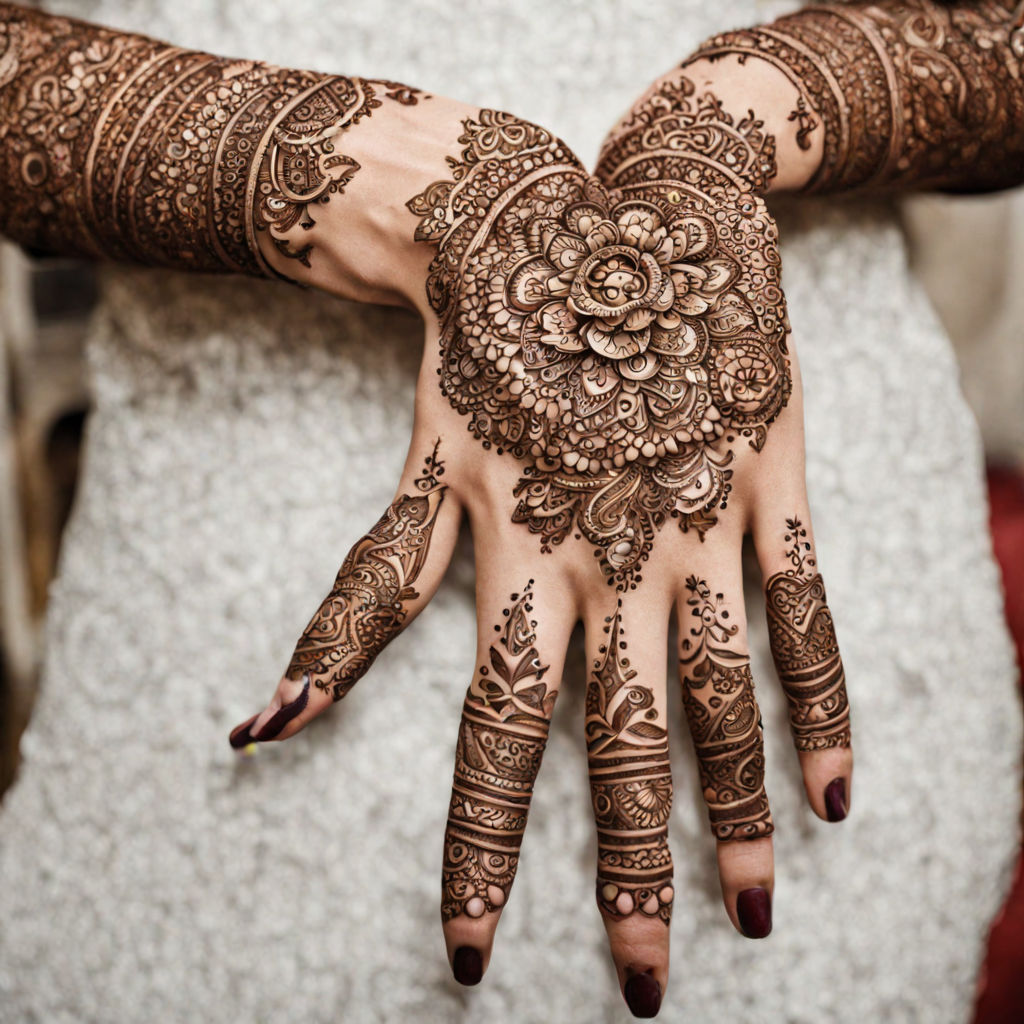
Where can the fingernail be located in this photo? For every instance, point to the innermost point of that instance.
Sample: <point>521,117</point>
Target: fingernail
<point>754,909</point>
<point>468,965</point>
<point>242,737</point>
<point>643,995</point>
<point>284,715</point>
<point>835,799</point>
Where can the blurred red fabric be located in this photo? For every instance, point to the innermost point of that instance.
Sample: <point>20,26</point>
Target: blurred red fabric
<point>1001,985</point>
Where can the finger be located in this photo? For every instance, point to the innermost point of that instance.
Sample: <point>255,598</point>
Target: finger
<point>505,718</point>
<point>631,790</point>
<point>806,654</point>
<point>800,627</point>
<point>725,723</point>
<point>385,581</point>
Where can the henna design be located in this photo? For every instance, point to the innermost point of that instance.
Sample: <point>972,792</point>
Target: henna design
<point>805,649</point>
<point>619,342</point>
<point>676,134</point>
<point>366,607</point>
<point>910,92</point>
<point>502,735</point>
<point>115,145</point>
<point>718,696</point>
<point>630,785</point>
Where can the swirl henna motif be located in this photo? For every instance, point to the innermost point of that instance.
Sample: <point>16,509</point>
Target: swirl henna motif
<point>630,785</point>
<point>804,646</point>
<point>718,696</point>
<point>619,342</point>
<point>115,145</point>
<point>501,741</point>
<point>909,92</point>
<point>366,607</point>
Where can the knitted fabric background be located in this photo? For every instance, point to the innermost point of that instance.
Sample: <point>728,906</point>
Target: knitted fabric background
<point>246,433</point>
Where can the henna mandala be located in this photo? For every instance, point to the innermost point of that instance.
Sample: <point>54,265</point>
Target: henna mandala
<point>630,785</point>
<point>619,342</point>
<point>115,145</point>
<point>366,607</point>
<point>909,91</point>
<point>501,741</point>
<point>718,695</point>
<point>805,649</point>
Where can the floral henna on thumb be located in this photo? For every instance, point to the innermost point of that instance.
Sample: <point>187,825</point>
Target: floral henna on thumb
<point>367,606</point>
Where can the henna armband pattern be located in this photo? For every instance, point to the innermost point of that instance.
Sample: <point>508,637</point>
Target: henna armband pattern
<point>502,735</point>
<point>805,649</point>
<point>718,697</point>
<point>366,607</point>
<point>618,342</point>
<point>115,145</point>
<point>630,785</point>
<point>909,92</point>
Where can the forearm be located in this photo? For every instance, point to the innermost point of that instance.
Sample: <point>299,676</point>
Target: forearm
<point>904,93</point>
<point>895,94</point>
<point>118,146</point>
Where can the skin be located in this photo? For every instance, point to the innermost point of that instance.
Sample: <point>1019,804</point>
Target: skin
<point>543,291</point>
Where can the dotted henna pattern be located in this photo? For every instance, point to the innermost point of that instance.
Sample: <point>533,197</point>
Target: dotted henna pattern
<point>118,146</point>
<point>630,785</point>
<point>910,92</point>
<point>805,649</point>
<point>620,342</point>
<point>502,735</point>
<point>718,696</point>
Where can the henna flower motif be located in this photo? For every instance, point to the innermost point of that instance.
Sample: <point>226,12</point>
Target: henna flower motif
<point>614,341</point>
<point>625,284</point>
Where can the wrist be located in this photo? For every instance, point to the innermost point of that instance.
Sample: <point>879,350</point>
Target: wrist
<point>741,119</point>
<point>356,237</point>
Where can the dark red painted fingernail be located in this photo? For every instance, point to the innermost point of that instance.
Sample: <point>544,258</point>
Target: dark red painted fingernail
<point>835,800</point>
<point>468,965</point>
<point>643,995</point>
<point>284,715</point>
<point>754,909</point>
<point>242,737</point>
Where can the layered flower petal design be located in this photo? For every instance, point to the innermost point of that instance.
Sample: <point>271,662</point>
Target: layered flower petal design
<point>616,341</point>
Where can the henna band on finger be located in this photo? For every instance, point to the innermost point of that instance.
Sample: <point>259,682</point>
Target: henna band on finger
<point>805,649</point>
<point>718,697</point>
<point>630,785</point>
<point>502,735</point>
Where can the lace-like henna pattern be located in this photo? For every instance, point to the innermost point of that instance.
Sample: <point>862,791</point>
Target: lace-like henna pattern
<point>676,134</point>
<point>910,92</point>
<point>805,649</point>
<point>119,146</point>
<point>619,342</point>
<point>718,696</point>
<point>501,741</point>
<point>366,607</point>
<point>630,785</point>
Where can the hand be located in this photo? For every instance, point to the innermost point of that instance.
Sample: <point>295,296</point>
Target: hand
<point>619,355</point>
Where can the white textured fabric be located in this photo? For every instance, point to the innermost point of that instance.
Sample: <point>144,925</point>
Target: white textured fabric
<point>246,433</point>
